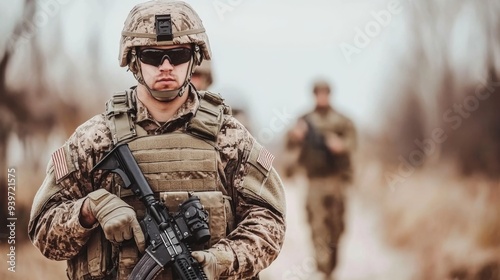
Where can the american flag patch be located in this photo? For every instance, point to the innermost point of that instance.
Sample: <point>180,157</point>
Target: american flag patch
<point>60,165</point>
<point>265,159</point>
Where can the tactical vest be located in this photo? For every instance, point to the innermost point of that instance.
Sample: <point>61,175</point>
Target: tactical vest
<point>315,156</point>
<point>175,164</point>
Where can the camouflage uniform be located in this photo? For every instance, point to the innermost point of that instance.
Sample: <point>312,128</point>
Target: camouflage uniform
<point>253,207</point>
<point>329,174</point>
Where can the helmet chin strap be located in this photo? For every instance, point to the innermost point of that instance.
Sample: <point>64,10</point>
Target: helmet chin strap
<point>164,95</point>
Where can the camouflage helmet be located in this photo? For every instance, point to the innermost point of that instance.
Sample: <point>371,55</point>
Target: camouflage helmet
<point>162,22</point>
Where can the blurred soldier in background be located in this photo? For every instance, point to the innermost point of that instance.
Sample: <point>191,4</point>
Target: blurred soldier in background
<point>202,77</point>
<point>184,141</point>
<point>325,141</point>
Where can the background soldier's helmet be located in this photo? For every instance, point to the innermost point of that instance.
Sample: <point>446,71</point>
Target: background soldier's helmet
<point>141,29</point>
<point>205,69</point>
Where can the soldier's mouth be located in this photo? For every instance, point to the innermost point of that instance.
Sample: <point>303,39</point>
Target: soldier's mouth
<point>166,80</point>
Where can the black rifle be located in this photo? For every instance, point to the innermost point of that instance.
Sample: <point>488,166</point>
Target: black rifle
<point>315,155</point>
<point>166,235</point>
<point>314,138</point>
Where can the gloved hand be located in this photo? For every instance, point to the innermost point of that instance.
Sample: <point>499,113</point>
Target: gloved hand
<point>213,262</point>
<point>117,219</point>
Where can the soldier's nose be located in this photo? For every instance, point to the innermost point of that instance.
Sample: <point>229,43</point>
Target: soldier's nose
<point>166,65</point>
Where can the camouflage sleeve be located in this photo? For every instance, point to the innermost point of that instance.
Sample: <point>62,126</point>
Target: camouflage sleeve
<point>349,135</point>
<point>54,225</point>
<point>293,144</point>
<point>260,211</point>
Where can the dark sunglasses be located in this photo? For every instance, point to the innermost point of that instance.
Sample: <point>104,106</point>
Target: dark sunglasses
<point>156,57</point>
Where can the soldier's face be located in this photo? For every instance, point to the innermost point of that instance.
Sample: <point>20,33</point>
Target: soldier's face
<point>322,98</point>
<point>165,67</point>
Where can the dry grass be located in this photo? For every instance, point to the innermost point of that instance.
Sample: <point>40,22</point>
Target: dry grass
<point>450,224</point>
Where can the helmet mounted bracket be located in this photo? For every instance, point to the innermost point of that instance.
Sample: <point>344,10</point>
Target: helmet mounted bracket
<point>163,26</point>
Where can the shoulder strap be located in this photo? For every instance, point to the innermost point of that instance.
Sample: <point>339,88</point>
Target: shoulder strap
<point>207,121</point>
<point>120,115</point>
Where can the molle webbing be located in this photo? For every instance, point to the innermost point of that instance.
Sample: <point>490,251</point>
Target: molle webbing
<point>176,162</point>
<point>120,114</point>
<point>208,119</point>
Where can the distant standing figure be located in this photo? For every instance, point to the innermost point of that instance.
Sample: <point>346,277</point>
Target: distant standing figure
<point>326,141</point>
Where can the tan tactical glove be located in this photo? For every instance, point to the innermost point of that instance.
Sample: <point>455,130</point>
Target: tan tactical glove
<point>213,262</point>
<point>117,219</point>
